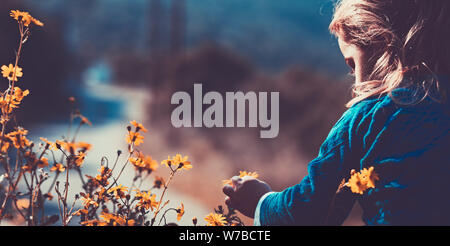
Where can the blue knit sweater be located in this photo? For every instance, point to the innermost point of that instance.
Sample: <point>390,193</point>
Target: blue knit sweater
<point>409,147</point>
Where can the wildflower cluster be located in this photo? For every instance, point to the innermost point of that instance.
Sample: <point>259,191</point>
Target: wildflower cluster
<point>108,202</point>
<point>103,199</point>
<point>21,162</point>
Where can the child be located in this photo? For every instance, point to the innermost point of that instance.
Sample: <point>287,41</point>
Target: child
<point>398,122</point>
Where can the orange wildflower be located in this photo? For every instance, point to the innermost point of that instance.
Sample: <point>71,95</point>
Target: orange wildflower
<point>101,194</point>
<point>88,201</point>
<point>180,212</point>
<point>83,146</point>
<point>19,94</point>
<point>241,175</point>
<point>11,73</point>
<point>118,191</point>
<point>8,102</point>
<point>71,147</point>
<point>51,145</point>
<point>18,138</point>
<point>5,147</point>
<point>369,176</point>
<point>114,220</point>
<point>37,22</point>
<point>138,126</point>
<point>43,162</point>
<point>214,219</point>
<point>144,163</point>
<point>167,162</point>
<point>359,182</point>
<point>181,162</point>
<point>79,159</point>
<point>146,200</point>
<point>134,138</point>
<point>21,17</point>
<point>105,174</point>
<point>25,18</point>
<point>58,167</point>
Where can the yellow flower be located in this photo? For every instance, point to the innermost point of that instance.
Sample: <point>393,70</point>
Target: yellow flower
<point>43,162</point>
<point>359,182</point>
<point>369,176</point>
<point>23,17</point>
<point>181,162</point>
<point>8,102</point>
<point>168,162</point>
<point>5,147</point>
<point>83,146</point>
<point>134,137</point>
<point>118,191</point>
<point>88,201</point>
<point>180,212</point>
<point>112,219</point>
<point>37,22</point>
<point>138,126</point>
<point>101,194</point>
<point>19,94</point>
<point>146,200</point>
<point>105,174</point>
<point>251,174</point>
<point>51,145</point>
<point>19,139</point>
<point>69,146</point>
<point>58,167</point>
<point>11,72</point>
<point>241,175</point>
<point>214,219</point>
<point>144,163</point>
<point>79,159</point>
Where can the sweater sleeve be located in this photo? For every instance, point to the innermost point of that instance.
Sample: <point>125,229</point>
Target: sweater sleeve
<point>308,202</point>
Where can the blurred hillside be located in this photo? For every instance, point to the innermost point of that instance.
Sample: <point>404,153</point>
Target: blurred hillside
<point>272,34</point>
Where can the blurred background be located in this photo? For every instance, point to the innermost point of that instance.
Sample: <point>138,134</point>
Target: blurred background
<point>123,60</point>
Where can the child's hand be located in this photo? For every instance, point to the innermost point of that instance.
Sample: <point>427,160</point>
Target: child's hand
<point>245,193</point>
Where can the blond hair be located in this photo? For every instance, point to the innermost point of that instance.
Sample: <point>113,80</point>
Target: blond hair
<point>409,40</point>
